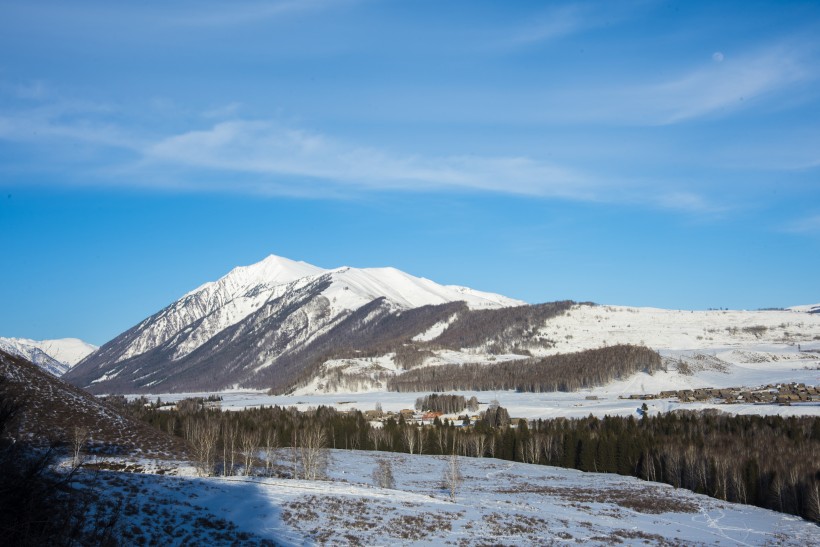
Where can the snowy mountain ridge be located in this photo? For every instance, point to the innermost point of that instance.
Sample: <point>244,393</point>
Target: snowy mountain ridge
<point>275,311</point>
<point>54,356</point>
<point>297,328</point>
<point>215,306</point>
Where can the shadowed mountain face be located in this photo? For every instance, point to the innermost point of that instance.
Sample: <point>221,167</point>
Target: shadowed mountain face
<point>51,409</point>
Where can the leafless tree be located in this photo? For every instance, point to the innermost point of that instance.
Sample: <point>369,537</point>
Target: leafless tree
<point>203,435</point>
<point>383,474</point>
<point>409,436</point>
<point>452,475</point>
<point>422,439</point>
<point>269,451</point>
<point>249,440</point>
<point>79,438</point>
<point>491,446</point>
<point>229,434</point>
<point>313,452</point>
<point>377,436</point>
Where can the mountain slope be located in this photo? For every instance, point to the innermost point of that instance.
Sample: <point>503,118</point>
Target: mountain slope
<point>52,408</point>
<point>54,356</point>
<point>270,315</point>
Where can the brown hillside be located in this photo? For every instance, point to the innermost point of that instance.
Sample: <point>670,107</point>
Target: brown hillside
<point>52,408</point>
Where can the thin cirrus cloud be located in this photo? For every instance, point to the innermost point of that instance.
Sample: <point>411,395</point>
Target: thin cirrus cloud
<point>809,225</point>
<point>564,20</point>
<point>269,149</point>
<point>712,89</point>
<point>238,13</point>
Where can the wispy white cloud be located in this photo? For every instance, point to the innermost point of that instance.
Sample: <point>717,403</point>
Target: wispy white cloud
<point>270,149</point>
<point>730,85</point>
<point>558,21</point>
<point>711,89</point>
<point>236,13</point>
<point>688,202</point>
<point>66,121</point>
<point>809,225</point>
<point>223,111</point>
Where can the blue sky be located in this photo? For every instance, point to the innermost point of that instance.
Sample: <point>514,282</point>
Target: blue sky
<point>641,153</point>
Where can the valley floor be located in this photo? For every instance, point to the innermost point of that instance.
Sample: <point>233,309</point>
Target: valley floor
<point>498,502</point>
<point>748,366</point>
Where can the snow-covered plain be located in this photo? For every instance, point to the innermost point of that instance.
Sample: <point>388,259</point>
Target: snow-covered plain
<point>752,345</point>
<point>748,366</point>
<point>498,502</point>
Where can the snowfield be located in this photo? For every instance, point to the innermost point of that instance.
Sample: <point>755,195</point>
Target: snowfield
<point>748,348</point>
<point>746,366</point>
<point>498,502</point>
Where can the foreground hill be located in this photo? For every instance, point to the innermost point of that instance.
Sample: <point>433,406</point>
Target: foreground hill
<point>52,409</point>
<point>53,356</point>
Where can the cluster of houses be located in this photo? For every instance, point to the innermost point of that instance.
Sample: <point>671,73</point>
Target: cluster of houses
<point>420,418</point>
<point>783,394</point>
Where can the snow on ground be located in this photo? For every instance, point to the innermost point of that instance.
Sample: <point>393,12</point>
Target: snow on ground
<point>520,405</point>
<point>498,502</point>
<point>751,365</point>
<point>739,339</point>
<point>590,327</point>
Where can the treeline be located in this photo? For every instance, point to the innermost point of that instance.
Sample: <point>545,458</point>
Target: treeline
<point>767,461</point>
<point>504,329</point>
<point>446,404</point>
<point>376,329</point>
<point>564,372</point>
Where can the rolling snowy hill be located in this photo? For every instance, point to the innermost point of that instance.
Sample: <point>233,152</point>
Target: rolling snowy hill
<point>53,356</point>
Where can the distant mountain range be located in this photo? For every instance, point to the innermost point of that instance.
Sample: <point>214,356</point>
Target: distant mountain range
<point>292,327</point>
<point>53,356</point>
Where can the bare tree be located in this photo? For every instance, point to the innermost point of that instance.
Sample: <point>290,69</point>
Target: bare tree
<point>203,435</point>
<point>271,444</point>
<point>79,438</point>
<point>422,439</point>
<point>376,436</point>
<point>491,446</point>
<point>313,452</point>
<point>383,474</point>
<point>229,434</point>
<point>409,435</point>
<point>249,441</point>
<point>452,475</point>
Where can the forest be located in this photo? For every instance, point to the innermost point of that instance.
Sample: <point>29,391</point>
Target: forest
<point>767,461</point>
<point>564,372</point>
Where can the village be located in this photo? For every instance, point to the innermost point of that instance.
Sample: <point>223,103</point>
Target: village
<point>780,394</point>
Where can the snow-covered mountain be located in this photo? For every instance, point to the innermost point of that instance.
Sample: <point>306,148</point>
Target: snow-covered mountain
<point>53,356</point>
<point>295,328</point>
<point>276,312</point>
